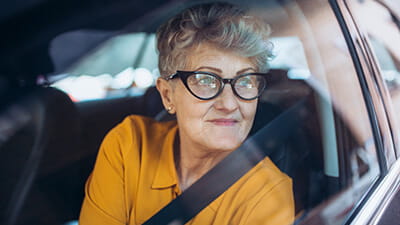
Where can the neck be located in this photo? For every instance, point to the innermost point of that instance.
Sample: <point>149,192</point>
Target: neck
<point>192,163</point>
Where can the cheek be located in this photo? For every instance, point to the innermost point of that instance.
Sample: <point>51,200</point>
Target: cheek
<point>188,107</point>
<point>248,110</point>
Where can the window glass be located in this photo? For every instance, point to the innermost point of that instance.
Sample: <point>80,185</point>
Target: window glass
<point>331,156</point>
<point>383,33</point>
<point>338,155</point>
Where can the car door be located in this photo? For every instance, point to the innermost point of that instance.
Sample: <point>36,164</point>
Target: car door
<point>366,197</point>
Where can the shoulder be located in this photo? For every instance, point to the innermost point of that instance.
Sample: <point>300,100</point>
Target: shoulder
<point>142,123</point>
<point>266,175</point>
<point>268,181</point>
<point>271,180</point>
<point>263,194</point>
<point>133,132</point>
<point>263,180</point>
<point>274,202</point>
<point>266,169</point>
<point>136,127</point>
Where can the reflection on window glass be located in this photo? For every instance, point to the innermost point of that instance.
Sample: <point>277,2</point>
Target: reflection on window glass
<point>384,36</point>
<point>330,158</point>
<point>340,160</point>
<point>383,32</point>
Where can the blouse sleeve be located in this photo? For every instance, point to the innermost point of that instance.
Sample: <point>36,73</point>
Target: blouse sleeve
<point>104,201</point>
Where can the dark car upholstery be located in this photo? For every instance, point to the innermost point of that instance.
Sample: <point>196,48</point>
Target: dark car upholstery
<point>300,156</point>
<point>38,132</point>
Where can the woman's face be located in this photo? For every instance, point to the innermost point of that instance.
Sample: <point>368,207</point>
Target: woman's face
<point>219,124</point>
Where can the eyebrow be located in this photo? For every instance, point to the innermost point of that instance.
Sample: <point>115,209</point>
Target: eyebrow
<point>244,70</point>
<point>220,71</point>
<point>209,68</point>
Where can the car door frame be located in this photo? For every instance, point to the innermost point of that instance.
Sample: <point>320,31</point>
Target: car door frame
<point>372,207</point>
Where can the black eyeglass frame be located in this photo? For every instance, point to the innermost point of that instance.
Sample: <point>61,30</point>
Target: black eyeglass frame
<point>183,75</point>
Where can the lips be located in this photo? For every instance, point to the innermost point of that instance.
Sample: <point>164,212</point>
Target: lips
<point>224,122</point>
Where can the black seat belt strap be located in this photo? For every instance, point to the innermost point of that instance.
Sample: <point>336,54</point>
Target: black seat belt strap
<point>230,169</point>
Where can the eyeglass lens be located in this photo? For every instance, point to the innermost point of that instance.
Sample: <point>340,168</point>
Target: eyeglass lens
<point>207,86</point>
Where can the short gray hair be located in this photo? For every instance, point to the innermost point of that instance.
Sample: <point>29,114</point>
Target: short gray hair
<point>223,25</point>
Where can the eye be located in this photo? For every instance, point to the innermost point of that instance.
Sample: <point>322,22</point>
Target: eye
<point>205,80</point>
<point>247,82</point>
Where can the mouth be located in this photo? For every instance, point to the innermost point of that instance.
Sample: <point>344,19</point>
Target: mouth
<point>223,122</point>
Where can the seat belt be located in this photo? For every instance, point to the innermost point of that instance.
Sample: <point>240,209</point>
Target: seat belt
<point>231,168</point>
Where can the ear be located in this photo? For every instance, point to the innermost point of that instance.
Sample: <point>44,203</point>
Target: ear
<point>166,92</point>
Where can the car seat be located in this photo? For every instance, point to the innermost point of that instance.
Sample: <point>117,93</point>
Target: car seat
<point>38,129</point>
<point>298,156</point>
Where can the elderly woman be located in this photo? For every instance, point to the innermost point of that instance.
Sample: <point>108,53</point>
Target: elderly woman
<point>211,60</point>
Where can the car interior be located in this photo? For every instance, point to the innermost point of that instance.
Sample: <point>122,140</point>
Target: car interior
<point>57,142</point>
<point>49,142</point>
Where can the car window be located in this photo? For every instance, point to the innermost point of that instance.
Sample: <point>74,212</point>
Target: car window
<point>110,65</point>
<point>383,34</point>
<point>331,157</point>
<point>341,152</point>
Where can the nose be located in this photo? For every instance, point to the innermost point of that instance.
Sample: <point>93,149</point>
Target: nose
<point>226,101</point>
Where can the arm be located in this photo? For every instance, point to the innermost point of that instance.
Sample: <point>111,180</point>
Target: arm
<point>104,201</point>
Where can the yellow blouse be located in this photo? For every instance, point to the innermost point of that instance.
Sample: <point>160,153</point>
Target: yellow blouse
<point>134,177</point>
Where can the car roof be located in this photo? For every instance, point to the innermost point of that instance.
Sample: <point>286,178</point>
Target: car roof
<point>29,26</point>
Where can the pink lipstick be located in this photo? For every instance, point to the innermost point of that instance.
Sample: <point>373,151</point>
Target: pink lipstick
<point>224,122</point>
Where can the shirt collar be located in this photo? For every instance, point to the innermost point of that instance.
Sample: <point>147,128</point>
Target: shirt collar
<point>166,175</point>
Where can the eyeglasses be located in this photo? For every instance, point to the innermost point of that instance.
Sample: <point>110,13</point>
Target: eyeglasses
<point>206,85</point>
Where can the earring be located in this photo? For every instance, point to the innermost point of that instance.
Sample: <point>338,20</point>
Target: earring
<point>169,109</point>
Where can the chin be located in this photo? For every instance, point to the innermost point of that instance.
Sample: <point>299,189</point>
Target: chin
<point>226,144</point>
<point>225,139</point>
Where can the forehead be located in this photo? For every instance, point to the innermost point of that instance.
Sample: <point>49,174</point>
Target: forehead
<point>207,55</point>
